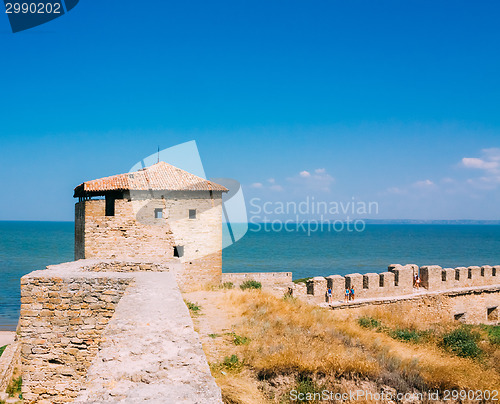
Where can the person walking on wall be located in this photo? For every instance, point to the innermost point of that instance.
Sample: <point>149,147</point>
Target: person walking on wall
<point>351,293</point>
<point>329,295</point>
<point>347,295</point>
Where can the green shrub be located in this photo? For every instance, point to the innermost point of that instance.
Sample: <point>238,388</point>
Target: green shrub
<point>214,335</point>
<point>251,284</point>
<point>308,389</point>
<point>369,322</point>
<point>2,348</point>
<point>493,334</point>
<point>406,335</point>
<point>232,363</point>
<point>227,285</point>
<point>239,340</point>
<point>301,280</point>
<point>462,342</point>
<point>14,388</point>
<point>193,306</point>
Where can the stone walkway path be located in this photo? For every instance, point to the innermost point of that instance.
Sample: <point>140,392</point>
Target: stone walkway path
<point>7,337</point>
<point>151,351</point>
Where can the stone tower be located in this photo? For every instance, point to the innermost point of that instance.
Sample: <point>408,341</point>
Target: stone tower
<point>158,213</point>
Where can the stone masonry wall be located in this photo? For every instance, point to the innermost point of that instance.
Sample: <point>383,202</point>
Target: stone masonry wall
<point>436,278</point>
<point>134,232</point>
<point>63,314</point>
<point>66,322</point>
<point>9,361</point>
<point>472,306</point>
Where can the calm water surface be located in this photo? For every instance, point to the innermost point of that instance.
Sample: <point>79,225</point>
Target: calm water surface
<point>28,246</point>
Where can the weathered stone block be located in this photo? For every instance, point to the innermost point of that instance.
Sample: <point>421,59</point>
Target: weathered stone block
<point>317,286</point>
<point>431,277</point>
<point>355,281</point>
<point>337,283</point>
<point>403,278</point>
<point>474,276</point>
<point>387,283</point>
<point>371,288</point>
<point>448,278</point>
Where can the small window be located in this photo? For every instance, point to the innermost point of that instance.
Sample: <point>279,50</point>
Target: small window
<point>469,273</point>
<point>110,206</point>
<point>459,317</point>
<point>158,213</point>
<point>492,313</point>
<point>192,213</point>
<point>178,251</point>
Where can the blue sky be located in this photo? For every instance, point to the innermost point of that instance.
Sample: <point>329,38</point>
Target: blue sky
<point>381,101</point>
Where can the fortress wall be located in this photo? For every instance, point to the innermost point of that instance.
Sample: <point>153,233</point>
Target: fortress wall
<point>469,306</point>
<point>63,314</point>
<point>463,277</point>
<point>266,278</point>
<point>398,280</point>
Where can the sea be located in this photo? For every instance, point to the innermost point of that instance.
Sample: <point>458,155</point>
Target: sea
<point>29,246</point>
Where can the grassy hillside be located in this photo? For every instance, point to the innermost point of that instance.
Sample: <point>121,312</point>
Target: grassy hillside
<point>282,344</point>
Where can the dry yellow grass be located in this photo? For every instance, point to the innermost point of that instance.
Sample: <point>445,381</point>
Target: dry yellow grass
<point>291,336</point>
<point>291,340</point>
<point>294,337</point>
<point>240,389</point>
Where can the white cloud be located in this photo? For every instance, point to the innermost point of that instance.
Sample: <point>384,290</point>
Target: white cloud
<point>316,180</point>
<point>492,154</point>
<point>396,190</point>
<point>489,163</point>
<point>320,180</point>
<point>424,184</point>
<point>473,162</point>
<point>417,187</point>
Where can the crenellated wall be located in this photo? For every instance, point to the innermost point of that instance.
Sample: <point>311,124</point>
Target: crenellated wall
<point>398,281</point>
<point>436,278</point>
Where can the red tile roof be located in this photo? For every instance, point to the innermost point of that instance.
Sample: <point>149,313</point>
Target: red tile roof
<point>158,177</point>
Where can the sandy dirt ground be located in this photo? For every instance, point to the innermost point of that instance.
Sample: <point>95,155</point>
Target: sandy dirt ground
<point>215,318</point>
